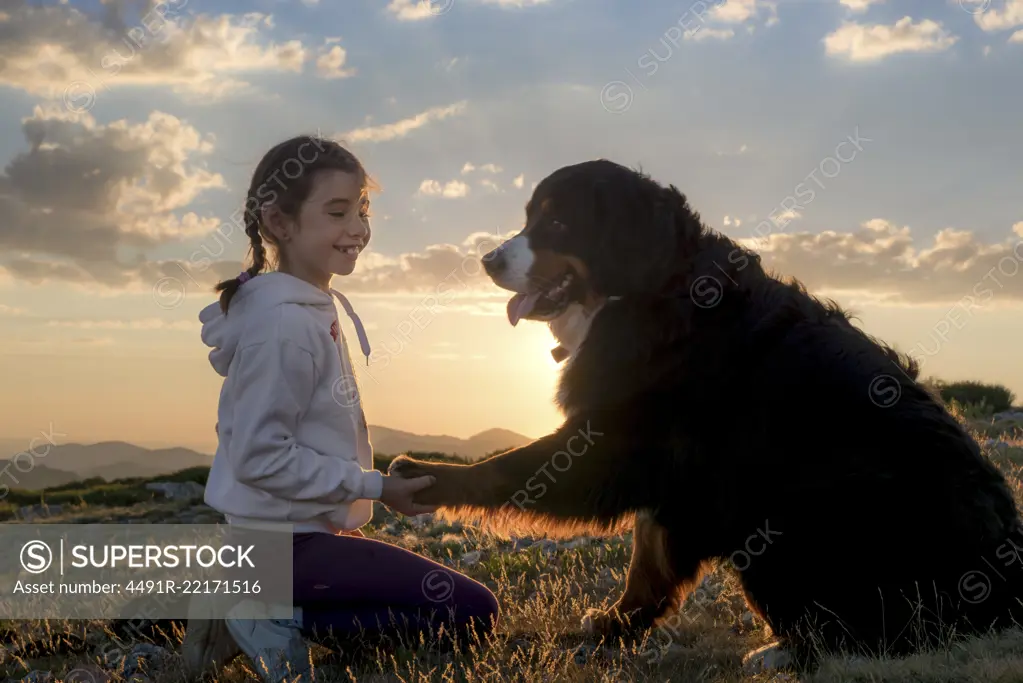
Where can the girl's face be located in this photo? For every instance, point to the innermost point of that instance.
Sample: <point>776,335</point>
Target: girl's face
<point>331,230</point>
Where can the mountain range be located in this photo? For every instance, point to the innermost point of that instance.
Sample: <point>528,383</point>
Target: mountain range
<point>109,460</point>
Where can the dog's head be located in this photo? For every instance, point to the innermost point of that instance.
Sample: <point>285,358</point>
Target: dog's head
<point>593,230</point>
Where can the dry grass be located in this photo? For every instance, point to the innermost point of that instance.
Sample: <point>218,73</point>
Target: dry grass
<point>542,597</point>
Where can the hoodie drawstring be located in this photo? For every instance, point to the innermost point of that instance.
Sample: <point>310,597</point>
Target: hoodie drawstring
<point>360,330</point>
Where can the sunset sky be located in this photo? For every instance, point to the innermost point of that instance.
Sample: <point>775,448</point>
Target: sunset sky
<point>120,162</point>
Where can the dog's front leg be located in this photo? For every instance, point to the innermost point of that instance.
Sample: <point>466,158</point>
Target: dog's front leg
<point>651,587</point>
<point>590,473</point>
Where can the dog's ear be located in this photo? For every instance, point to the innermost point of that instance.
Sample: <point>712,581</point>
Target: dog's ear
<point>641,228</point>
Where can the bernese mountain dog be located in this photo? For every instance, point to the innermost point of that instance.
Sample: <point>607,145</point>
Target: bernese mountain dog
<point>723,413</point>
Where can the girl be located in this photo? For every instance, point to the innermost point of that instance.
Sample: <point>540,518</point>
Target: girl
<point>293,442</point>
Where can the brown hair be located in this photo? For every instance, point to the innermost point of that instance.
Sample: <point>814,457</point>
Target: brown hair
<point>284,177</point>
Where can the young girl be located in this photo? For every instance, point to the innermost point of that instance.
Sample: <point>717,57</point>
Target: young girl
<point>293,442</point>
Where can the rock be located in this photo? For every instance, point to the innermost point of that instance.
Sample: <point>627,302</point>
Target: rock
<point>581,655</point>
<point>606,578</point>
<point>89,673</point>
<point>576,543</point>
<point>546,545</point>
<point>30,513</point>
<point>144,658</point>
<point>471,558</point>
<point>420,522</point>
<point>766,658</point>
<point>38,676</point>
<point>178,490</point>
<point>522,544</point>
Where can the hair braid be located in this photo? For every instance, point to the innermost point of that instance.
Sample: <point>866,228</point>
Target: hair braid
<point>228,288</point>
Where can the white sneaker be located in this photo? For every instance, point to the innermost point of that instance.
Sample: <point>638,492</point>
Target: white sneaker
<point>275,646</point>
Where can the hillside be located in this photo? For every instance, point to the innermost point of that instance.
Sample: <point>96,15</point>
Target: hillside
<point>543,587</point>
<point>110,460</point>
<point>107,459</point>
<point>394,441</point>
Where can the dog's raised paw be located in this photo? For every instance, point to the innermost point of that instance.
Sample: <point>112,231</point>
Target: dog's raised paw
<point>405,467</point>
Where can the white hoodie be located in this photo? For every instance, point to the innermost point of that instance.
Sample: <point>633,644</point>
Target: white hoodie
<point>293,442</point>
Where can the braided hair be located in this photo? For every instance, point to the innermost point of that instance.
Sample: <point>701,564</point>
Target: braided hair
<point>284,178</point>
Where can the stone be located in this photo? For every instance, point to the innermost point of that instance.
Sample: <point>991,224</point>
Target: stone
<point>471,558</point>
<point>522,544</point>
<point>546,545</point>
<point>576,543</point>
<point>30,513</point>
<point>38,676</point>
<point>767,658</point>
<point>178,490</point>
<point>144,658</point>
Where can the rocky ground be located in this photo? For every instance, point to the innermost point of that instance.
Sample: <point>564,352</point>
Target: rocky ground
<point>543,586</point>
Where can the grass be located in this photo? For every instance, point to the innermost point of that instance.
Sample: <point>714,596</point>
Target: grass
<point>542,596</point>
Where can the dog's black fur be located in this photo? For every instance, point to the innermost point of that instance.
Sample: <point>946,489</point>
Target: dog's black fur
<point>857,511</point>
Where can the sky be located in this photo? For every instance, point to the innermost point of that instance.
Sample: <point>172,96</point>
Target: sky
<point>870,148</point>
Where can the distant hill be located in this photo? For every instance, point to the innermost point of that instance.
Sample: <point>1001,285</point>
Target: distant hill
<point>39,477</point>
<point>394,441</point>
<point>110,460</point>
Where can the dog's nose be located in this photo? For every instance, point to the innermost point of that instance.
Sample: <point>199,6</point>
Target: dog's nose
<point>493,262</point>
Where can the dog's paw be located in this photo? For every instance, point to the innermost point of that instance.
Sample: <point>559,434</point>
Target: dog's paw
<point>610,624</point>
<point>406,468</point>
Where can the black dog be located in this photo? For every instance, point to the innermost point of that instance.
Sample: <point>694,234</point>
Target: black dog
<point>858,513</point>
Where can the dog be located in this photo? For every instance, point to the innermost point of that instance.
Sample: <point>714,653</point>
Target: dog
<point>859,515</point>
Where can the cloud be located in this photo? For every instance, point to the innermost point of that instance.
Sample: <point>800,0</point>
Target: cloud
<point>703,33</point>
<point>399,129</point>
<point>519,180</point>
<point>859,6</point>
<point>330,63</point>
<point>739,11</point>
<point>871,43</point>
<point>881,260</point>
<point>411,10</point>
<point>452,189</point>
<point>144,324</point>
<point>469,167</point>
<point>1016,37</point>
<point>513,3</point>
<point>85,201</point>
<point>419,10</point>
<point>490,185</point>
<point>992,18</point>
<point>56,51</point>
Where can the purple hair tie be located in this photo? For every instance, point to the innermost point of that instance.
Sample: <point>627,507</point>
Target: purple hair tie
<point>244,277</point>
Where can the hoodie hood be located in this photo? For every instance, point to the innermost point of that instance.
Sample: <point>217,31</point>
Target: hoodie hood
<point>253,301</point>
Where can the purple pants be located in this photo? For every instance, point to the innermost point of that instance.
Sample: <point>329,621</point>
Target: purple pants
<point>350,587</point>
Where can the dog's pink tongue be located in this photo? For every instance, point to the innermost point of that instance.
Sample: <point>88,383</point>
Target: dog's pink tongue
<point>519,307</point>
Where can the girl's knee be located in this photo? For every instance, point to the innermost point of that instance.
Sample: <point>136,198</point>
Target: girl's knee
<point>481,604</point>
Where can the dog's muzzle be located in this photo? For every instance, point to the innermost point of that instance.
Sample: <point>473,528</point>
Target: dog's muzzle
<point>494,262</point>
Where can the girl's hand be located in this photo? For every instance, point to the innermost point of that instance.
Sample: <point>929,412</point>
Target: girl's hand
<point>397,494</point>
